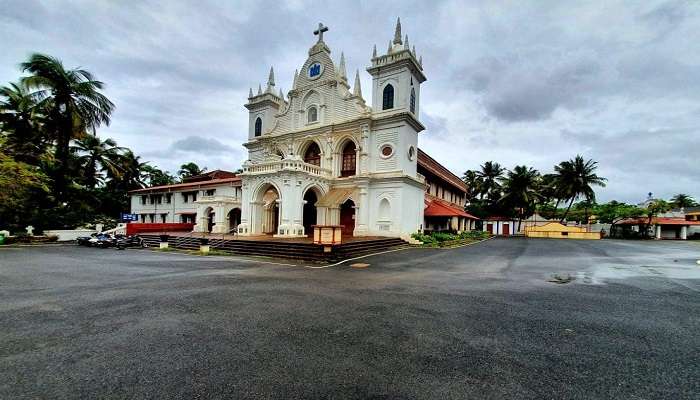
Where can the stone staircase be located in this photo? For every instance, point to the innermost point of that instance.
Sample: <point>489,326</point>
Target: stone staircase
<point>283,249</point>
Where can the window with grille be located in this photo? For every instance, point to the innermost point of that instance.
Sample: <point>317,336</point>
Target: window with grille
<point>313,155</point>
<point>388,97</point>
<point>348,161</point>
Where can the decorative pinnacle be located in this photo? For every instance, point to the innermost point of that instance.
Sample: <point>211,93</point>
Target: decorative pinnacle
<point>281,94</point>
<point>357,91</point>
<point>259,89</point>
<point>271,80</point>
<point>341,66</point>
<point>414,51</point>
<point>374,51</point>
<point>296,75</point>
<point>397,33</point>
<point>405,44</point>
<point>389,49</point>
<point>250,93</point>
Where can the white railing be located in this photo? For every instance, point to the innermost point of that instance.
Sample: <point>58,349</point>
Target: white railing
<point>285,165</point>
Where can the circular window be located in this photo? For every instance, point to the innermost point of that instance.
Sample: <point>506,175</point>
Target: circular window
<point>387,151</point>
<point>411,153</point>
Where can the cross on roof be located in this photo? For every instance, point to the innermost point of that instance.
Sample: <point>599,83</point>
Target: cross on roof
<point>320,30</point>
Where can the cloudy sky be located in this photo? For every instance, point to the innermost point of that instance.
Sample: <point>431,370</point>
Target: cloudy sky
<point>512,82</point>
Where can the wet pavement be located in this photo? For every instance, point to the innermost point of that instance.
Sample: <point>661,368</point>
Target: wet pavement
<point>482,321</point>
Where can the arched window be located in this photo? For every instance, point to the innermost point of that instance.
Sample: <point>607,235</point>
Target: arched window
<point>388,97</point>
<point>312,114</point>
<point>413,100</point>
<point>384,210</point>
<point>313,155</point>
<point>347,166</point>
<point>258,127</point>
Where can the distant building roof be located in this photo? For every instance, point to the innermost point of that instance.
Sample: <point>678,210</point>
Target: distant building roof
<point>435,207</point>
<point>235,181</point>
<point>207,176</point>
<point>436,169</point>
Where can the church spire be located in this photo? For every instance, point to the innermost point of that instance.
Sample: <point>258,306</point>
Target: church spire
<point>271,81</point>
<point>341,67</point>
<point>357,90</point>
<point>397,33</point>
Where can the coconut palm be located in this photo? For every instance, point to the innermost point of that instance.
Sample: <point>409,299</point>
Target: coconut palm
<point>72,102</point>
<point>129,172</point>
<point>521,191</point>
<point>471,179</point>
<point>95,156</point>
<point>682,200</point>
<point>575,179</point>
<point>490,174</point>
<point>190,169</point>
<point>20,122</point>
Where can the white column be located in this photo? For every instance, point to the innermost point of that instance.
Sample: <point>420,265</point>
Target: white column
<point>658,231</point>
<point>362,213</point>
<point>684,232</point>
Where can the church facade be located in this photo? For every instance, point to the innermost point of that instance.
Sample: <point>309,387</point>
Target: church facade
<point>323,155</point>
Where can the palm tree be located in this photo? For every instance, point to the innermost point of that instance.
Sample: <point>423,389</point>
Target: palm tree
<point>490,174</point>
<point>575,179</point>
<point>682,200</point>
<point>20,122</point>
<point>190,169</point>
<point>96,156</point>
<point>73,104</point>
<point>471,179</point>
<point>129,172</point>
<point>520,191</point>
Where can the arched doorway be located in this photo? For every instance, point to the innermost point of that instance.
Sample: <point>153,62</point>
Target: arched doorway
<point>209,213</point>
<point>348,160</point>
<point>270,210</point>
<point>234,219</point>
<point>309,211</point>
<point>347,217</point>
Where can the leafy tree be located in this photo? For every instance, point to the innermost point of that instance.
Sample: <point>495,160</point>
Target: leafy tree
<point>20,182</point>
<point>520,191</point>
<point>72,102</point>
<point>21,123</point>
<point>190,169</point>
<point>655,208</point>
<point>473,182</point>
<point>682,200</point>
<point>156,177</point>
<point>614,212</point>
<point>575,179</point>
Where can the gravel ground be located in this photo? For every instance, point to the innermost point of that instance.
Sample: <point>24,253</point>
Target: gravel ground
<point>482,321</point>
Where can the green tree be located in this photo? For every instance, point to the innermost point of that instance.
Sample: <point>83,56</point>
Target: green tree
<point>655,208</point>
<point>157,177</point>
<point>575,179</point>
<point>96,156</point>
<point>190,169</point>
<point>520,191</point>
<point>20,182</point>
<point>72,102</point>
<point>21,123</point>
<point>614,212</point>
<point>473,182</point>
<point>682,200</point>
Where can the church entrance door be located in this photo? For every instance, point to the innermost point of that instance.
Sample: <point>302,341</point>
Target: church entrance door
<point>309,212</point>
<point>234,219</point>
<point>210,221</point>
<point>347,217</point>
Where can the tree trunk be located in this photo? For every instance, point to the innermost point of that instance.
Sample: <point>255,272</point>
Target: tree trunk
<point>561,221</point>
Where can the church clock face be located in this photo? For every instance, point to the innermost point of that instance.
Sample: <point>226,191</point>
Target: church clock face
<point>315,70</point>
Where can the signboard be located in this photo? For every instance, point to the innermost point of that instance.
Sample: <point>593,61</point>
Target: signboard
<point>129,217</point>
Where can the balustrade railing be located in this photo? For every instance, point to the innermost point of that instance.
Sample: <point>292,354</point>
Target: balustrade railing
<point>285,165</point>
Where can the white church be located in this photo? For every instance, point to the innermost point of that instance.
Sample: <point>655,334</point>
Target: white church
<point>323,155</point>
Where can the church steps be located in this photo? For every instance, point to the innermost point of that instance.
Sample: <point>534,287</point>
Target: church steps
<point>298,251</point>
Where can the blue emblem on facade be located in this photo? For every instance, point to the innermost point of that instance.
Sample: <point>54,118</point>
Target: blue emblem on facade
<point>314,70</point>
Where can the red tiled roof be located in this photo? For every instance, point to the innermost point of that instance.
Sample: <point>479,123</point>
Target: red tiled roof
<point>208,176</point>
<point>434,167</point>
<point>658,221</point>
<point>439,208</point>
<point>187,185</point>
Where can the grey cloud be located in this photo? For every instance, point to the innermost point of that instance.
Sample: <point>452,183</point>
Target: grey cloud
<point>202,145</point>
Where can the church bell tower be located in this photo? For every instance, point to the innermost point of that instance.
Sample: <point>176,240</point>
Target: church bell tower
<point>397,76</point>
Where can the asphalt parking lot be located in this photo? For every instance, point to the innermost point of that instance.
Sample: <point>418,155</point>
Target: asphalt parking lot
<point>481,322</point>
